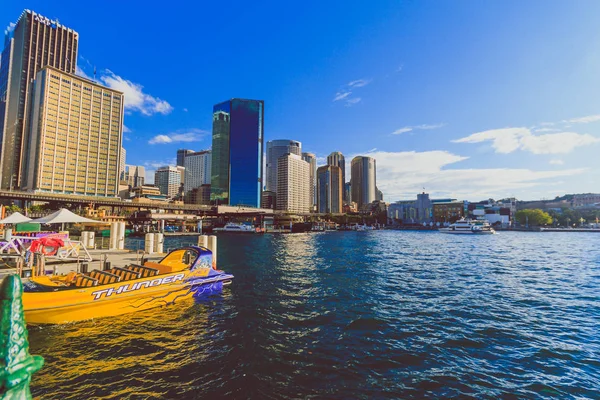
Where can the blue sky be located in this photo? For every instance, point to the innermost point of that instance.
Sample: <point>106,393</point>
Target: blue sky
<point>470,99</point>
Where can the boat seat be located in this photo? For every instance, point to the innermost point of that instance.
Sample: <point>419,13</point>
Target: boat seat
<point>167,268</point>
<point>125,274</point>
<point>85,281</point>
<point>104,277</point>
<point>143,270</point>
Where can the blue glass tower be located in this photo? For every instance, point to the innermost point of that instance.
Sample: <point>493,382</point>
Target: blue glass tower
<point>237,153</point>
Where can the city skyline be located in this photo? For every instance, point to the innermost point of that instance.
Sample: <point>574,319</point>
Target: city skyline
<point>411,88</point>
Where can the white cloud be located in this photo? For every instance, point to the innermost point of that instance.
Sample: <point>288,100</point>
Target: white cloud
<point>185,109</point>
<point>352,101</point>
<point>508,140</point>
<point>135,98</point>
<point>402,175</point>
<point>341,95</point>
<point>557,161</point>
<point>399,69</point>
<point>584,120</point>
<point>191,135</point>
<point>359,83</point>
<point>80,72</point>
<point>417,128</point>
<point>545,130</point>
<point>126,129</point>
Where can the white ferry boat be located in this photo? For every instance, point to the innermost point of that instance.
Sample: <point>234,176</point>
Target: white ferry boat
<point>239,228</point>
<point>470,227</point>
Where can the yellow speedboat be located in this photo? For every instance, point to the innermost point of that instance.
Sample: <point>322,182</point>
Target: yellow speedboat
<point>80,296</point>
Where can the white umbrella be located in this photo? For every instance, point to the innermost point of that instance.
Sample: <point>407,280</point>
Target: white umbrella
<point>15,218</point>
<point>63,216</point>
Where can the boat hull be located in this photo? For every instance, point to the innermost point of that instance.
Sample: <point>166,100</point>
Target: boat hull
<point>466,232</point>
<point>84,303</point>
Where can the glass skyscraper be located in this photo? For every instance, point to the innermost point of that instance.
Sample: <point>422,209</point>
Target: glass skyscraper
<point>363,180</point>
<point>237,152</point>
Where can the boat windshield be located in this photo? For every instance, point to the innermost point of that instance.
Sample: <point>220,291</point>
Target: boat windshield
<point>180,258</point>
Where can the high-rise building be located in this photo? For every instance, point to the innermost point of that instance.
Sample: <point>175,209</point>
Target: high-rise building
<point>329,189</point>
<point>75,136</point>
<point>168,179</point>
<point>268,200</point>
<point>181,154</point>
<point>276,149</point>
<point>199,195</point>
<point>336,158</point>
<point>347,193</point>
<point>134,175</point>
<point>379,195</point>
<point>197,170</point>
<point>293,184</point>
<point>363,180</point>
<point>237,152</point>
<point>311,159</point>
<point>34,43</point>
<point>122,163</point>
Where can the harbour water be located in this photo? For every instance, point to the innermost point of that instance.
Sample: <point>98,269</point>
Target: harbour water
<point>361,315</point>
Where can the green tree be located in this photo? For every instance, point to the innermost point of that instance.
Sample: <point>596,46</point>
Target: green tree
<point>533,217</point>
<point>13,208</point>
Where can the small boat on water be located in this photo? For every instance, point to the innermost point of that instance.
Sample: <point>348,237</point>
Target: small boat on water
<point>469,227</point>
<point>236,228</point>
<point>183,273</point>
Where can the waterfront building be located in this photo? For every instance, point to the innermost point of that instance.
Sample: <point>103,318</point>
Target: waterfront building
<point>122,163</point>
<point>311,159</point>
<point>134,175</point>
<point>586,200</point>
<point>350,207</point>
<point>336,158</point>
<point>268,200</point>
<point>276,149</point>
<point>237,152</point>
<point>329,189</point>
<point>197,170</point>
<point>363,180</point>
<point>168,180</point>
<point>181,154</point>
<point>412,211</point>
<point>200,195</point>
<point>449,210</point>
<point>35,42</point>
<point>347,193</point>
<point>75,136</point>
<point>149,192</point>
<point>293,184</point>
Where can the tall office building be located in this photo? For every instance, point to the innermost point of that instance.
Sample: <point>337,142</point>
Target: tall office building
<point>181,154</point>
<point>75,136</point>
<point>347,193</point>
<point>293,184</point>
<point>237,152</point>
<point>363,180</point>
<point>34,43</point>
<point>135,175</point>
<point>329,189</point>
<point>168,180</point>
<point>379,195</point>
<point>311,159</point>
<point>336,158</point>
<point>122,163</point>
<point>197,170</point>
<point>276,149</point>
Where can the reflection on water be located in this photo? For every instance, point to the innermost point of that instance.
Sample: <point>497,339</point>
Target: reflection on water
<point>354,315</point>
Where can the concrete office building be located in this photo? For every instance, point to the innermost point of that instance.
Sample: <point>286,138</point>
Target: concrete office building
<point>33,43</point>
<point>311,159</point>
<point>293,184</point>
<point>276,149</point>
<point>237,153</point>
<point>181,154</point>
<point>168,180</point>
<point>329,189</point>
<point>197,170</point>
<point>363,181</point>
<point>75,137</point>
<point>336,158</point>
<point>134,175</point>
<point>122,163</point>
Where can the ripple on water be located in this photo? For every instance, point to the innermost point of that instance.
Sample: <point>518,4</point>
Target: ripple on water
<point>354,315</point>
